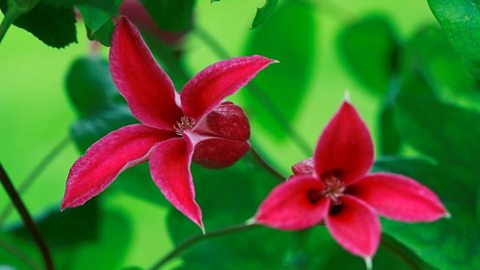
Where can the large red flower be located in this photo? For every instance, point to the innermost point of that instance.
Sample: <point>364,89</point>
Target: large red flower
<point>174,128</point>
<point>334,187</point>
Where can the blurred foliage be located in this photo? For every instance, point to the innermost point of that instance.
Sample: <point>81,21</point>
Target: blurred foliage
<point>295,46</point>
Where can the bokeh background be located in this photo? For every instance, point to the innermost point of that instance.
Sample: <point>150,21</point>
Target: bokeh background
<point>36,115</point>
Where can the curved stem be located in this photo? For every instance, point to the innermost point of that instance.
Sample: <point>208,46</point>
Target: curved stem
<point>34,174</point>
<point>26,217</point>
<point>198,238</point>
<point>7,21</point>
<point>265,165</point>
<point>258,93</point>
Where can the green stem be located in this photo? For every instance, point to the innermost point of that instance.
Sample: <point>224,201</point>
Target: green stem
<point>34,174</point>
<point>258,93</point>
<point>265,165</point>
<point>198,238</point>
<point>26,217</point>
<point>7,21</point>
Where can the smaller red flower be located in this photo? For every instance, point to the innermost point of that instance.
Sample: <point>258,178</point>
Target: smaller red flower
<point>333,187</point>
<point>175,129</point>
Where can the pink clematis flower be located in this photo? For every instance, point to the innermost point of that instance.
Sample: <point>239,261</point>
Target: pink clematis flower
<point>175,129</point>
<point>334,187</point>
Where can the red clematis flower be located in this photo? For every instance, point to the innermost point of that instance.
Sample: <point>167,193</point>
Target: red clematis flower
<point>175,129</point>
<point>333,187</point>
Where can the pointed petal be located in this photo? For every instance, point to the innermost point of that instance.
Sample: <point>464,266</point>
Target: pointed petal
<point>294,205</point>
<point>399,198</point>
<point>106,159</point>
<point>217,153</point>
<point>355,227</point>
<point>345,146</point>
<point>148,90</point>
<point>213,84</point>
<point>170,168</point>
<point>305,167</point>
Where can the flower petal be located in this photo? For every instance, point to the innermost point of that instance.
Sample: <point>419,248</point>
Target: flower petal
<point>213,84</point>
<point>399,198</point>
<point>148,90</point>
<point>106,159</point>
<point>345,146</point>
<point>355,227</point>
<point>305,167</point>
<point>170,168</point>
<point>294,205</point>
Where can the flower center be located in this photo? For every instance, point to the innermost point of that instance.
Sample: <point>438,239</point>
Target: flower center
<point>185,123</point>
<point>334,187</point>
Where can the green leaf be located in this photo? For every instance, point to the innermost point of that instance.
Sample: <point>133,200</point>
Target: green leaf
<point>53,24</point>
<point>264,12</point>
<point>370,50</point>
<point>98,17</point>
<point>430,51</point>
<point>171,16</point>
<point>67,229</point>
<point>389,136</point>
<point>460,20</point>
<point>449,244</point>
<point>89,85</point>
<point>295,46</point>
<point>109,252</point>
<point>436,129</point>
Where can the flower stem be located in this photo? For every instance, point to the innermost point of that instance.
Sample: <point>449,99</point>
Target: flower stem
<point>258,93</point>
<point>265,165</point>
<point>26,217</point>
<point>198,238</point>
<point>7,21</point>
<point>34,174</point>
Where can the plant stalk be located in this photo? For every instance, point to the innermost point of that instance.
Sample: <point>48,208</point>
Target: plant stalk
<point>27,218</point>
<point>198,238</point>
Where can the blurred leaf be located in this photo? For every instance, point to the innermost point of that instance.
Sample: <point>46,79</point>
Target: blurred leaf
<point>87,131</point>
<point>89,85</point>
<point>109,6</point>
<point>171,16</point>
<point>429,51</point>
<point>110,250</point>
<point>53,24</point>
<point>295,46</point>
<point>67,229</point>
<point>370,50</point>
<point>460,20</point>
<point>389,136</point>
<point>436,129</point>
<point>98,17</point>
<point>264,12</point>
<point>448,244</point>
